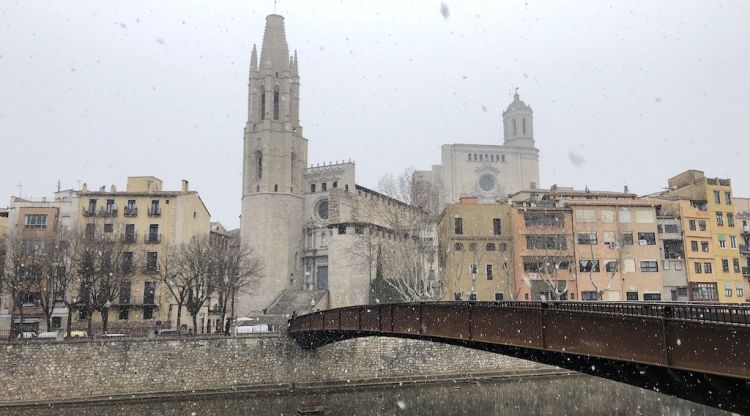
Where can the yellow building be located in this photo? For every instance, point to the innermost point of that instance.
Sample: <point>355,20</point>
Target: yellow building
<point>712,237</point>
<point>475,251</point>
<point>148,221</point>
<point>3,222</point>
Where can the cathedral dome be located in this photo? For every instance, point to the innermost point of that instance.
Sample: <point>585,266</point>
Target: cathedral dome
<point>517,105</point>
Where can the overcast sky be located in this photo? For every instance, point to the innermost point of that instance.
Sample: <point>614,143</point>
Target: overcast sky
<point>623,93</point>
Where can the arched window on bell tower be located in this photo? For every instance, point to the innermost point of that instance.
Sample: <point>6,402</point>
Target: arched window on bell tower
<point>258,165</point>
<point>515,129</point>
<point>523,126</point>
<point>276,102</point>
<point>293,167</point>
<point>262,102</point>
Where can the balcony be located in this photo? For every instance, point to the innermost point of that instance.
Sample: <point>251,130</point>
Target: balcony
<point>129,238</point>
<point>108,212</point>
<point>89,213</point>
<point>139,301</point>
<point>130,211</point>
<point>152,238</point>
<point>746,229</point>
<point>154,212</point>
<point>746,272</point>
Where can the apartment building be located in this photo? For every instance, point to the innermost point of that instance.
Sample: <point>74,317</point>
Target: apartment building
<point>476,251</point>
<point>147,220</point>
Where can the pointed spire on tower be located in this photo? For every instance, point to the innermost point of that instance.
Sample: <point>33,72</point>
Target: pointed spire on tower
<point>254,59</point>
<point>295,68</point>
<point>275,50</point>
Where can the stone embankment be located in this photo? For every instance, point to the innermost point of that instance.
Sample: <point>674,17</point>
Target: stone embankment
<point>82,370</point>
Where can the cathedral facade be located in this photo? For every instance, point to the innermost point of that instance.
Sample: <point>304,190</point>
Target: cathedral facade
<point>490,172</point>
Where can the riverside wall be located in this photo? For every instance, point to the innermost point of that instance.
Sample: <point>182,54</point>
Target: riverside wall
<point>86,369</point>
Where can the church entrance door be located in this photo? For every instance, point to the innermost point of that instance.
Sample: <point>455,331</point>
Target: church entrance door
<point>322,277</point>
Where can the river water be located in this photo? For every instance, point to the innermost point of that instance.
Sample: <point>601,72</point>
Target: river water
<point>558,395</point>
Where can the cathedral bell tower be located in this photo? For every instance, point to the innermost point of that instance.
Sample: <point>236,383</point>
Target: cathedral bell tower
<point>274,159</point>
<point>518,128</point>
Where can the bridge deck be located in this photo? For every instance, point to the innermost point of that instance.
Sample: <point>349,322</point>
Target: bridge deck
<point>694,339</point>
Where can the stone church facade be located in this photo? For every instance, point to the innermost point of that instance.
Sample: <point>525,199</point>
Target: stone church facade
<point>489,172</point>
<point>312,227</point>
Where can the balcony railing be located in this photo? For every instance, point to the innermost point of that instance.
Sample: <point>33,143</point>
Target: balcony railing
<point>152,238</point>
<point>154,212</point>
<point>129,238</point>
<point>139,301</point>
<point>108,212</point>
<point>130,211</point>
<point>746,272</point>
<point>746,229</point>
<point>89,213</point>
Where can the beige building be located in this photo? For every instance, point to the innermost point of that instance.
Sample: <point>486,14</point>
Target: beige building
<point>476,251</point>
<point>148,220</point>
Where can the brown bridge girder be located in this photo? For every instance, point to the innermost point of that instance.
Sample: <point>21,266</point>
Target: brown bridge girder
<point>698,352</point>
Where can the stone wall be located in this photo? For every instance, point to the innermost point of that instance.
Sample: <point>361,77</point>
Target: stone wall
<point>44,371</point>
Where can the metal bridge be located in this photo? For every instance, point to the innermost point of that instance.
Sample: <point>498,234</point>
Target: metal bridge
<point>696,352</point>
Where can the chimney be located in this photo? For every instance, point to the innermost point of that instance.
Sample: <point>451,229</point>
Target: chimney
<point>85,187</point>
<point>626,189</point>
<point>468,200</point>
<point>184,185</point>
<point>113,189</point>
<point>101,188</point>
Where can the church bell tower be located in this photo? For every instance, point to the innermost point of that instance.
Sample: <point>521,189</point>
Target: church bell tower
<point>274,159</point>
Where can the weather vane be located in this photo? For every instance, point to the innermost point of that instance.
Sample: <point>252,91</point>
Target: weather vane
<point>274,6</point>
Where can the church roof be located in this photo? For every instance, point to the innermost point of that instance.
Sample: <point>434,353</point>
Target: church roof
<point>517,104</point>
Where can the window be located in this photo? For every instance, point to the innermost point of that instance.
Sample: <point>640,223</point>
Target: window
<point>693,246</point>
<point>732,241</point>
<point>708,267</point>
<point>153,233</point>
<point>722,242</point>
<point>127,261</point>
<point>631,295</point>
<point>704,246</point>
<point>698,268</point>
<point>324,186</point>
<point>649,266</point>
<point>490,247</point>
<point>645,216</point>
<point>585,215</point>
<point>472,246</point>
<point>458,226</point>
<point>647,238</point>
<point>587,238</point>
<point>728,291</point>
<point>489,272</point>
<point>335,184</point>
<point>148,313</point>
<point>719,219</point>
<point>35,222</point>
<point>496,226</point>
<point>702,225</point>
<point>736,265</point>
<point>652,297</point>
<point>92,207</point>
<point>703,292</point>
<point>725,265</point>
<point>502,247</point>
<point>358,229</point>
<point>124,313</point>
<point>730,220</point>
<point>627,239</point>
<point>607,215</point>
<point>610,265</point>
<point>625,217</point>
<point>341,229</point>
<point>546,242</point>
<point>498,296</point>
<point>544,219</point>
<point>276,102</point>
<point>90,231</point>
<point>628,266</point>
<point>671,228</point>
<point>717,197</point>
<point>691,225</point>
<point>728,198</point>
<point>740,290</point>
<point>57,321</point>
<point>276,188</point>
<point>588,266</point>
<point>523,125</point>
<point>515,129</point>
<point>459,246</point>
<point>608,236</point>
<point>155,210</point>
<point>312,187</point>
<point>473,269</point>
<point>589,295</point>
<point>129,236</point>
<point>110,207</point>
<point>151,262</point>
<point>262,102</point>
<point>108,228</point>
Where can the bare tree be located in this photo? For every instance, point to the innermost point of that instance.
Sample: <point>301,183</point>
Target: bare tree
<point>51,283</point>
<point>236,269</point>
<point>21,264</point>
<point>553,257</point>
<point>171,274</point>
<point>102,264</point>
<point>197,265</point>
